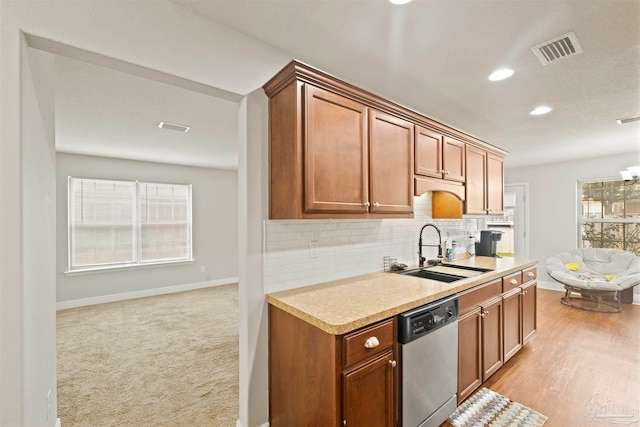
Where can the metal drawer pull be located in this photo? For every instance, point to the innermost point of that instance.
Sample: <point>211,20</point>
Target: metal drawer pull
<point>514,282</point>
<point>530,274</point>
<point>371,342</point>
<point>367,204</point>
<point>376,204</point>
<point>393,363</point>
<point>524,292</point>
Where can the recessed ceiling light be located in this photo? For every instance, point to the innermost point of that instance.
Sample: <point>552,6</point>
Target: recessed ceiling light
<point>399,1</point>
<point>174,126</point>
<point>501,74</point>
<point>628,119</point>
<point>540,110</point>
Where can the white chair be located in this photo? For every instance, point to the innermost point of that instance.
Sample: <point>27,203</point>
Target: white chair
<point>597,275</point>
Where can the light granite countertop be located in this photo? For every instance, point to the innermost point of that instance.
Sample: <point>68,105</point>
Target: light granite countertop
<point>342,306</point>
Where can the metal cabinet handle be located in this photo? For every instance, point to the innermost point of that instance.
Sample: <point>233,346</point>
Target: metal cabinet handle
<point>514,282</point>
<point>525,292</point>
<point>367,204</point>
<point>446,172</point>
<point>376,204</point>
<point>482,314</point>
<point>371,342</point>
<point>530,274</point>
<point>442,171</point>
<point>393,363</point>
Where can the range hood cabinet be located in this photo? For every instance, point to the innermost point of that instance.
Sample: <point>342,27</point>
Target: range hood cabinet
<point>447,197</point>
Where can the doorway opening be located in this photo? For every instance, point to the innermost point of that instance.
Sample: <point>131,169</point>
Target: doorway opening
<point>87,61</point>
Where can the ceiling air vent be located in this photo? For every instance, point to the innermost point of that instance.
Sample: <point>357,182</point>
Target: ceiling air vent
<point>559,48</point>
<point>174,126</point>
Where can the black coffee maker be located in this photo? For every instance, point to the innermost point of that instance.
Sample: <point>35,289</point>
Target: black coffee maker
<point>488,242</point>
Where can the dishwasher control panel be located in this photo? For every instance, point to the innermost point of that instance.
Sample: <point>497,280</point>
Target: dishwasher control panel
<point>422,320</point>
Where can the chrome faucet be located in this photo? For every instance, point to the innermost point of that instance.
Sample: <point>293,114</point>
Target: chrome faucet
<point>422,259</point>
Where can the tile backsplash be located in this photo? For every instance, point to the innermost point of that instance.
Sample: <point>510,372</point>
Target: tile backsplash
<point>305,252</point>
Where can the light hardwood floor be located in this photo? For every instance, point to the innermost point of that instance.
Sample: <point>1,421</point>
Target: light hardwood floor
<point>580,364</point>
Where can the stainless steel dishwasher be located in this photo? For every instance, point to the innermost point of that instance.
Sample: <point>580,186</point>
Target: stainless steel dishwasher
<point>428,336</point>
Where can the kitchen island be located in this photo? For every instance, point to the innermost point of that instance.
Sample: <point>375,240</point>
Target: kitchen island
<point>333,350</point>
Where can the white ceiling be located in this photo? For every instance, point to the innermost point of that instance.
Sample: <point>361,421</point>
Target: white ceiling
<point>104,112</point>
<point>435,56</point>
<point>430,55</point>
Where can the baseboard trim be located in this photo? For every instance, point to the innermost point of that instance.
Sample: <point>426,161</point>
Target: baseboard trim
<point>58,422</point>
<point>239,424</point>
<point>63,305</point>
<point>553,286</point>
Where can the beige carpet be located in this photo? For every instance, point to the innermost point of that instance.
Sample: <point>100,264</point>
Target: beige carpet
<point>168,360</point>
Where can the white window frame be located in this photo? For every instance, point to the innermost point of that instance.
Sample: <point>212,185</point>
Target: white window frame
<point>137,231</point>
<point>581,220</point>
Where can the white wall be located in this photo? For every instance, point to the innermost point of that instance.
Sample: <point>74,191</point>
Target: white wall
<point>253,210</point>
<point>553,199</point>
<point>215,227</point>
<point>39,233</point>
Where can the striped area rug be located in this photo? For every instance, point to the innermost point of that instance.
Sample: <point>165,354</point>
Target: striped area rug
<point>488,408</point>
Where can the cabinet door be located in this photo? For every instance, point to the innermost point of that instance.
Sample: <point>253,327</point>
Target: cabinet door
<point>512,308</point>
<point>336,153</point>
<point>368,394</point>
<point>453,159</point>
<point>476,199</point>
<point>469,353</point>
<point>428,153</point>
<point>492,353</point>
<point>390,163</point>
<point>529,310</point>
<point>495,183</point>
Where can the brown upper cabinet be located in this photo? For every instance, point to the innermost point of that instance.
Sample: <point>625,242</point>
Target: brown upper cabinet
<point>484,185</point>
<point>439,156</point>
<point>336,159</point>
<point>338,151</point>
<point>391,163</point>
<point>356,159</point>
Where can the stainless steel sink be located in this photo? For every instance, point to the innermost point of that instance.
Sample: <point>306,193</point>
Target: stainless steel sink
<point>465,267</point>
<point>433,275</point>
<point>447,273</point>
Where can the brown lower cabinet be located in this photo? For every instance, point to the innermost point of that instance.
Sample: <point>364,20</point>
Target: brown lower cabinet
<point>369,393</point>
<point>513,313</point>
<point>496,320</point>
<point>492,345</point>
<point>529,310</point>
<point>325,380</point>
<point>320,379</point>
<point>469,353</point>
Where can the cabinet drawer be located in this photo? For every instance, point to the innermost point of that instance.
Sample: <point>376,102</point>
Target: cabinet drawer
<point>361,345</point>
<point>529,274</point>
<point>471,299</point>
<point>511,281</point>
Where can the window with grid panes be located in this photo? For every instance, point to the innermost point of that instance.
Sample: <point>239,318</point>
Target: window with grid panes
<point>609,214</point>
<point>123,223</point>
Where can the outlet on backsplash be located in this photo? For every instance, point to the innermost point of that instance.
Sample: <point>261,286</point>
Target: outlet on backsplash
<point>314,249</point>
